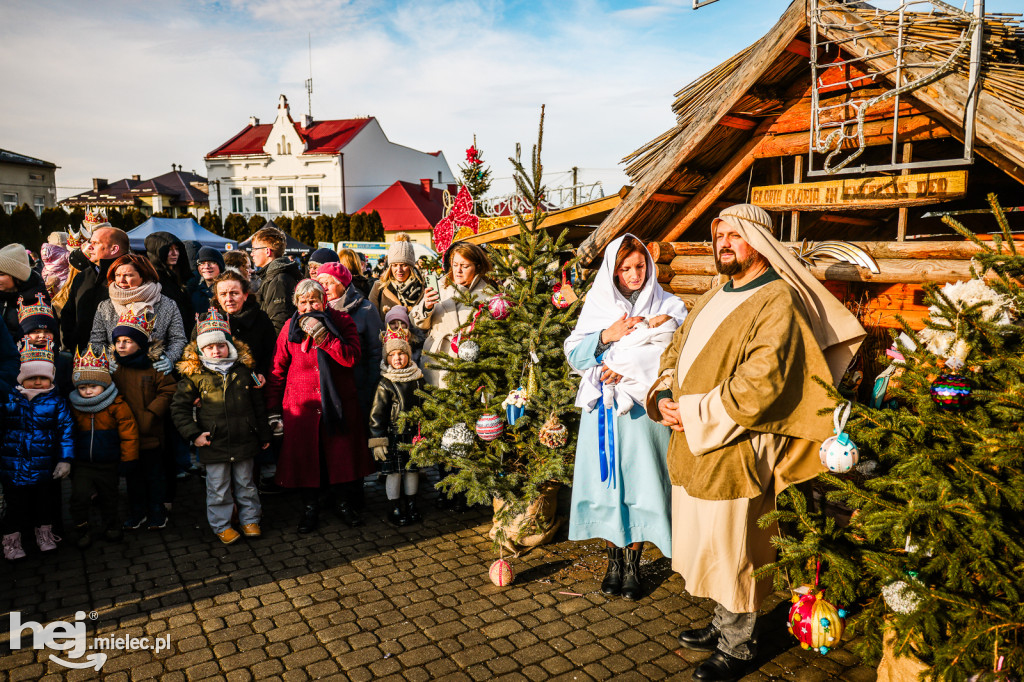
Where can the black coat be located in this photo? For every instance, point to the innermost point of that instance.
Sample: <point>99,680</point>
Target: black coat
<point>28,290</point>
<point>172,280</point>
<point>391,401</point>
<point>277,288</point>
<point>88,290</point>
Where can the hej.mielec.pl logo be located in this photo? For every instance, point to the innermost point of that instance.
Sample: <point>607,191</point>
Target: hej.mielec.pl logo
<point>72,639</point>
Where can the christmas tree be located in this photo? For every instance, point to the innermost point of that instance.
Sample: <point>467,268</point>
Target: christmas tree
<point>934,550</point>
<point>475,175</point>
<point>513,345</point>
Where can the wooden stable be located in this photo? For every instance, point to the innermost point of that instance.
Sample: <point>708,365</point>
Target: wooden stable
<point>743,135</point>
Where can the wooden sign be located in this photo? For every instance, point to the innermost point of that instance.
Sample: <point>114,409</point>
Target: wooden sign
<point>853,193</point>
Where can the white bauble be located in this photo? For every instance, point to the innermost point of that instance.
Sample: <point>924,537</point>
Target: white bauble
<point>839,454</point>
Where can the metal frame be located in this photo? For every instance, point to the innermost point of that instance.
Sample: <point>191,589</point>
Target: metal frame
<point>827,139</point>
<point>697,4</point>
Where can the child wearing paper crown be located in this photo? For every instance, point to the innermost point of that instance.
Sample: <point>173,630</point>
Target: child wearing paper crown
<point>396,395</point>
<point>148,393</point>
<point>37,449</point>
<point>227,427</point>
<point>107,435</point>
<point>38,324</point>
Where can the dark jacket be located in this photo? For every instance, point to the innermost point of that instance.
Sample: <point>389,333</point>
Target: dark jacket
<point>172,280</point>
<point>10,361</point>
<point>88,290</point>
<point>110,435</point>
<point>199,295</point>
<point>363,284</point>
<point>367,370</point>
<point>252,327</point>
<point>9,300</point>
<point>276,289</point>
<point>148,394</point>
<point>393,398</point>
<point>37,435</point>
<point>230,408</point>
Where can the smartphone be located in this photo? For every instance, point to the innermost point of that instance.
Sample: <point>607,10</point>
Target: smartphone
<point>433,283</point>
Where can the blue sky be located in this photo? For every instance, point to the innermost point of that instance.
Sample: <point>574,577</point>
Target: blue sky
<point>109,88</point>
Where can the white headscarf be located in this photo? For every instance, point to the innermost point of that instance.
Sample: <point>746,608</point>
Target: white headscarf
<point>605,304</point>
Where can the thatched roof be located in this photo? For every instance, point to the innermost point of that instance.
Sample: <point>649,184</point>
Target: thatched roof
<point>748,108</point>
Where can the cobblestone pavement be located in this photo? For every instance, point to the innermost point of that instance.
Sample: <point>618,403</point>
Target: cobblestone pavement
<point>370,603</point>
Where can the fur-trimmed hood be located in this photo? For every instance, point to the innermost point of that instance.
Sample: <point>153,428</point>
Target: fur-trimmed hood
<point>192,364</point>
<point>156,349</point>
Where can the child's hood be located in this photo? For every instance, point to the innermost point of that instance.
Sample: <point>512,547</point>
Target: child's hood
<point>191,359</point>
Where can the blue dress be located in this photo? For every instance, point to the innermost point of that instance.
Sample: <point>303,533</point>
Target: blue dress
<point>638,507</point>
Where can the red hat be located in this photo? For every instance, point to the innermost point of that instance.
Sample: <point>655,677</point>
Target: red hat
<point>337,271</point>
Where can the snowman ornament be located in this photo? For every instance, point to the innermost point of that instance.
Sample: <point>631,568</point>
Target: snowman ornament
<point>838,453</point>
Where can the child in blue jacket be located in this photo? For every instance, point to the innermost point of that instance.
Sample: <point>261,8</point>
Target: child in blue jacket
<point>36,451</point>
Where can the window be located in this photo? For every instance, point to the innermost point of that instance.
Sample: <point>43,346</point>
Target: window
<point>287,199</point>
<point>439,177</point>
<point>39,203</point>
<point>10,202</point>
<point>236,200</point>
<point>312,199</point>
<point>35,176</point>
<point>259,195</point>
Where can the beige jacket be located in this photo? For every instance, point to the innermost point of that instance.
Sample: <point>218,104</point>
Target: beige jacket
<point>444,319</point>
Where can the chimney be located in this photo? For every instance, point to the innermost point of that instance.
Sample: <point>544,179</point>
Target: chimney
<point>453,189</point>
<point>427,184</point>
<point>98,184</point>
<point>307,121</point>
<point>253,121</point>
<point>136,178</point>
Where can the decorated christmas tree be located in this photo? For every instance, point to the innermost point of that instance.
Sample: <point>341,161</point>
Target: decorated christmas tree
<point>504,422</point>
<point>476,177</point>
<point>933,554</point>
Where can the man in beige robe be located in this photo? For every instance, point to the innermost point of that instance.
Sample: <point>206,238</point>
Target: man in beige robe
<point>737,387</point>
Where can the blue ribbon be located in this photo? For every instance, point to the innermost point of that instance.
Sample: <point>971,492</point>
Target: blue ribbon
<point>606,427</point>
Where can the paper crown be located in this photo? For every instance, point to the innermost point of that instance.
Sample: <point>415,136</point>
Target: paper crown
<point>40,307</point>
<point>35,353</point>
<point>74,240</point>
<point>214,322</point>
<point>94,220</point>
<point>393,335</point>
<point>91,362</point>
<point>144,323</point>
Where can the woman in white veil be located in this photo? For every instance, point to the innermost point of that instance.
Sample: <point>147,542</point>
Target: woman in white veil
<point>621,490</point>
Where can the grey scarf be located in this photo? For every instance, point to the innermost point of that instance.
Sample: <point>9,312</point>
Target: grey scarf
<point>97,403</point>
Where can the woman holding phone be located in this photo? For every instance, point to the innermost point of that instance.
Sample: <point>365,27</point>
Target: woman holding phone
<point>401,283</point>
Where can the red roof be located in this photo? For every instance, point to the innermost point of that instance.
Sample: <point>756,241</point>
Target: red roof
<point>323,137</point>
<point>405,206</point>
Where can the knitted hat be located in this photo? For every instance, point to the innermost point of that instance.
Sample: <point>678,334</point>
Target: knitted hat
<point>38,315</point>
<point>399,313</point>
<point>14,262</point>
<point>401,252</point>
<point>91,368</point>
<point>337,271</point>
<point>36,361</point>
<point>324,256</point>
<point>213,329</point>
<point>138,328</point>
<point>395,341</point>
<point>208,254</point>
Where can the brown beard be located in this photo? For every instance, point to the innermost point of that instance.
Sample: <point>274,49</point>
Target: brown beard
<point>737,266</point>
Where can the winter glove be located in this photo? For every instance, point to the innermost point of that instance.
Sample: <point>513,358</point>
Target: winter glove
<point>61,470</point>
<point>163,365</point>
<point>276,424</point>
<point>314,328</point>
<point>380,453</point>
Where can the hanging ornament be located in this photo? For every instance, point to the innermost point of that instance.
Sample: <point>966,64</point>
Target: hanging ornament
<point>499,306</point>
<point>900,596</point>
<point>531,382</point>
<point>501,573</point>
<point>563,295</point>
<point>838,452</point>
<point>469,351</point>
<point>457,439</point>
<point>489,427</point>
<point>553,433</point>
<point>418,438</point>
<point>951,392</point>
<point>515,406</point>
<point>814,621</point>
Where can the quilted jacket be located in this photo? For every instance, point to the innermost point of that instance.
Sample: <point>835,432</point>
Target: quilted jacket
<point>37,434</point>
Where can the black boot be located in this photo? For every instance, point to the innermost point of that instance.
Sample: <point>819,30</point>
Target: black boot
<point>310,519</point>
<point>459,503</point>
<point>721,667</point>
<point>702,639</point>
<point>631,589</point>
<point>397,514</point>
<point>411,512</point>
<point>612,583</point>
<point>84,536</point>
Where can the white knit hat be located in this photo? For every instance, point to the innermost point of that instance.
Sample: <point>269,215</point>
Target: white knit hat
<point>14,262</point>
<point>401,252</point>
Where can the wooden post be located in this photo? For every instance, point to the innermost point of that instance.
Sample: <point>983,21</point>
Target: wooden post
<point>901,225</point>
<point>794,221</point>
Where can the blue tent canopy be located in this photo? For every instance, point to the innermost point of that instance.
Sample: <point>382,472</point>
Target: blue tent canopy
<point>182,228</point>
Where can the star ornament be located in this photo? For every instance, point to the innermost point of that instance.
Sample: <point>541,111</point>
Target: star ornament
<point>460,216</point>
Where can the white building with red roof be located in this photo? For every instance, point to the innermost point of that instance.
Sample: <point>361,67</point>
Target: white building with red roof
<point>309,167</point>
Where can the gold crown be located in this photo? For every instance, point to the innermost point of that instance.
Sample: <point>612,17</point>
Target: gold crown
<point>35,353</point>
<point>40,307</point>
<point>391,335</point>
<point>94,220</point>
<point>74,240</point>
<point>214,322</point>
<point>91,361</point>
<point>143,323</point>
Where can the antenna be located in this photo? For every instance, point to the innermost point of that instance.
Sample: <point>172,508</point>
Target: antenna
<point>309,81</point>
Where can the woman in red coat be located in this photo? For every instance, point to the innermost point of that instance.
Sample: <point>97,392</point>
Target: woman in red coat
<point>312,391</point>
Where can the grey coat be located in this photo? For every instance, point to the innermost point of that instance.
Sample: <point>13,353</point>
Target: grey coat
<point>168,327</point>
<point>367,370</point>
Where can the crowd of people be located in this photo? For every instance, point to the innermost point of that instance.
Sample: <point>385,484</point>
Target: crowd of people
<point>257,372</point>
